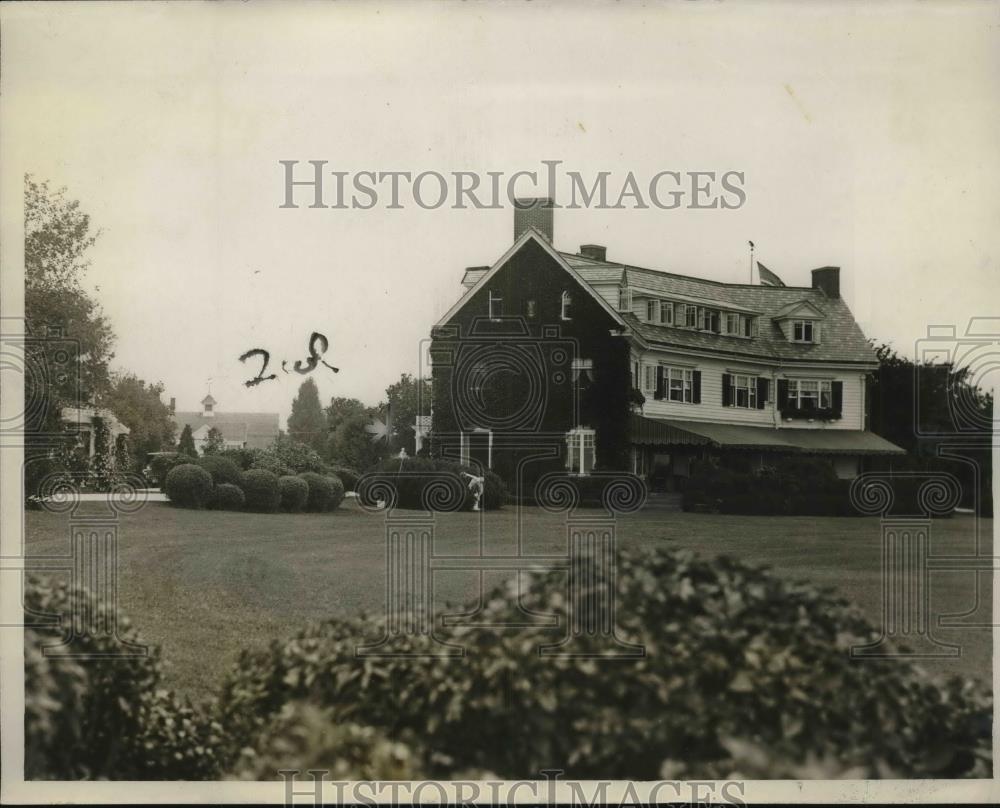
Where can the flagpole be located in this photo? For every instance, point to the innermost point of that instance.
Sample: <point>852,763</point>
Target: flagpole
<point>751,262</point>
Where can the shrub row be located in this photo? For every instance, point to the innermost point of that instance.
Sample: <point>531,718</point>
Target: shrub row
<point>216,482</point>
<point>790,487</point>
<point>409,480</point>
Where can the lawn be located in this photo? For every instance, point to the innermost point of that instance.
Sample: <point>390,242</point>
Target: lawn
<point>203,584</point>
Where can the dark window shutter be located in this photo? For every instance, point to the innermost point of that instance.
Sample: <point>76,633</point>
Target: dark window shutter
<point>658,394</point>
<point>782,394</point>
<point>696,387</point>
<point>763,389</point>
<point>727,390</point>
<point>838,398</point>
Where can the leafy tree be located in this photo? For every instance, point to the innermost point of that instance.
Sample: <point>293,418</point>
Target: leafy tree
<point>57,237</point>
<point>340,408</point>
<point>186,443</point>
<point>137,404</point>
<point>903,390</point>
<point>214,442</point>
<point>352,445</point>
<point>407,398</point>
<point>307,423</point>
<point>123,454</point>
<point>70,340</point>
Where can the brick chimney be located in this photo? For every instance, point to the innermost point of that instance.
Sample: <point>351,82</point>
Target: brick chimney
<point>597,252</point>
<point>827,280</point>
<point>535,213</point>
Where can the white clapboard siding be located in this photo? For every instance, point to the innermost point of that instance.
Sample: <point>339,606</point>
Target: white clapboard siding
<point>711,408</point>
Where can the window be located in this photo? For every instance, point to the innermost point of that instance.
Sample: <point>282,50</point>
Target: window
<point>584,365</point>
<point>496,305</point>
<point>531,309</point>
<point>652,310</point>
<point>580,450</point>
<point>635,374</point>
<point>802,331</point>
<point>624,299</point>
<point>733,324</point>
<point>667,313</point>
<point>744,391</point>
<point>749,326</point>
<point>709,320</point>
<point>809,394</point>
<point>692,316</point>
<point>676,384</point>
<point>649,381</point>
<point>564,309</point>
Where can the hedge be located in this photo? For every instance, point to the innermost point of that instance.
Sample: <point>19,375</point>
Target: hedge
<point>740,666</point>
<point>410,477</point>
<point>227,497</point>
<point>262,492</point>
<point>189,486</point>
<point>336,492</point>
<point>321,491</point>
<point>222,469</point>
<point>348,476</point>
<point>294,493</point>
<point>791,486</point>
<point>105,717</point>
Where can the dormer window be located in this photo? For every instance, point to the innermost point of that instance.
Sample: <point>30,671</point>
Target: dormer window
<point>496,305</point>
<point>564,309</point>
<point>666,313</point>
<point>652,310</point>
<point>802,331</point>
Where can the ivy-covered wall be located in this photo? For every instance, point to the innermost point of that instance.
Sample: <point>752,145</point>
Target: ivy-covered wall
<point>514,374</point>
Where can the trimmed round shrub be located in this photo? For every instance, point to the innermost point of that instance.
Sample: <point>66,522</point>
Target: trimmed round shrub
<point>222,469</point>
<point>227,497</point>
<point>188,485</point>
<point>105,717</point>
<point>320,491</point>
<point>336,492</point>
<point>730,667</point>
<point>294,493</point>
<point>348,476</point>
<point>161,464</point>
<point>261,490</point>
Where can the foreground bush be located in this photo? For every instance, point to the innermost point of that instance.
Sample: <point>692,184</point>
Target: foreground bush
<point>320,491</point>
<point>226,497</point>
<point>105,718</point>
<point>189,486</point>
<point>262,492</point>
<point>222,469</point>
<point>740,668</point>
<point>294,493</point>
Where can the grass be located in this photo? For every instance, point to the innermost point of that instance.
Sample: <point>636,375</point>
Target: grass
<point>201,585</point>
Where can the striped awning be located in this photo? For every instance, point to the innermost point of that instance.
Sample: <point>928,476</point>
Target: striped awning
<point>671,432</point>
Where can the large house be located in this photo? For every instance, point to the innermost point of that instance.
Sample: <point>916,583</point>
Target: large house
<point>250,430</point>
<point>580,361</point>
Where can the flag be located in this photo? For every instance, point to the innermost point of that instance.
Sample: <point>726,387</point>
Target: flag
<point>767,278</point>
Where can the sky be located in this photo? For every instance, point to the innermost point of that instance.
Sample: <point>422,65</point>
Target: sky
<point>866,135</point>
